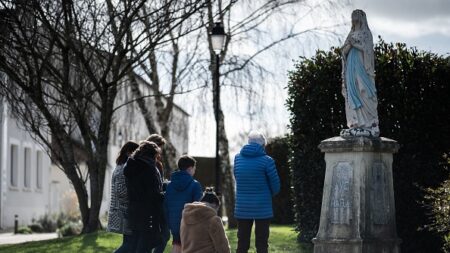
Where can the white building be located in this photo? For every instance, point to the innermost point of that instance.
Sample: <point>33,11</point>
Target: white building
<point>31,186</point>
<point>24,173</point>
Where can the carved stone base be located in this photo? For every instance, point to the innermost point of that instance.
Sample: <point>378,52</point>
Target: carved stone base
<point>366,246</point>
<point>358,208</point>
<point>373,132</point>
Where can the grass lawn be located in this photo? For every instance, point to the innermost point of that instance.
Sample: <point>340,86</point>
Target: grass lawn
<point>282,239</point>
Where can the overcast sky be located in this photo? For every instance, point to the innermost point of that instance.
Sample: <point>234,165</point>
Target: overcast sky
<point>424,24</point>
<point>421,23</point>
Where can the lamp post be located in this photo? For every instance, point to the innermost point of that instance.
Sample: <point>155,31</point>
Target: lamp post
<point>217,42</point>
<point>120,138</point>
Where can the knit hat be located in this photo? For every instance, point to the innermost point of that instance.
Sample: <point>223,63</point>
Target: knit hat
<point>257,137</point>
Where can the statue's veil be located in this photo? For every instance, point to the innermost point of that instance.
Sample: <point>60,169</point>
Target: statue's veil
<point>361,15</point>
<point>365,38</point>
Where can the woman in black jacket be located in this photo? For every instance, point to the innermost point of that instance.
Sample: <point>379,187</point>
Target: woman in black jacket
<point>144,185</point>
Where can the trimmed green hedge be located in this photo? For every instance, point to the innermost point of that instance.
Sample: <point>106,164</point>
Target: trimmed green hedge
<point>413,92</point>
<point>438,202</point>
<point>278,149</point>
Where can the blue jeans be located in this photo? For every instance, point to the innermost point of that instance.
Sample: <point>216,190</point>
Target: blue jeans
<point>127,244</point>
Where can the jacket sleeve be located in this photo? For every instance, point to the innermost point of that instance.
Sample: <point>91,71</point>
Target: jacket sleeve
<point>166,208</point>
<point>113,201</point>
<point>198,192</point>
<point>272,176</point>
<point>234,170</point>
<point>218,236</point>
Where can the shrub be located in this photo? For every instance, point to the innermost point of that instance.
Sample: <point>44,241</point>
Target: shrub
<point>48,224</point>
<point>63,218</point>
<point>278,149</point>
<point>438,203</point>
<point>36,228</point>
<point>24,230</point>
<point>69,229</point>
<point>413,109</point>
<point>316,109</point>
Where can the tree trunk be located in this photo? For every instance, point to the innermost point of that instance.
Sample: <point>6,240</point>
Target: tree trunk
<point>169,154</point>
<point>96,180</point>
<point>81,192</point>
<point>147,114</point>
<point>226,174</point>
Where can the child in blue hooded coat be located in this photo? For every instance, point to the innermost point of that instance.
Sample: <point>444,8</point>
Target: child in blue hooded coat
<point>182,189</point>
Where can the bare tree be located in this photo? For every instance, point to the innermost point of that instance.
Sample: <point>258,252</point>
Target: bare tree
<point>246,73</point>
<point>167,75</point>
<point>65,61</point>
<point>187,61</point>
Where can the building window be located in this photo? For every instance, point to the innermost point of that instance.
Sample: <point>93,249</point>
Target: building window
<point>39,170</point>
<point>14,165</point>
<point>27,168</point>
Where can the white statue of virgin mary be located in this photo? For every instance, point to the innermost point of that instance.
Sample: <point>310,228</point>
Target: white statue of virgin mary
<point>358,80</point>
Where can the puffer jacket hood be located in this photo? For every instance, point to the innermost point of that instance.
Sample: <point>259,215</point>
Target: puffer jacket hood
<point>181,180</point>
<point>197,212</point>
<point>253,150</point>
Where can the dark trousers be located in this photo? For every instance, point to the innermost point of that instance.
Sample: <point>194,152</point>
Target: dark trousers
<point>142,242</point>
<point>261,235</point>
<point>165,232</point>
<point>127,244</point>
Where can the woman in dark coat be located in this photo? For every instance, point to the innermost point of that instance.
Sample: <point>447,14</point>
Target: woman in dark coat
<point>165,232</point>
<point>144,185</point>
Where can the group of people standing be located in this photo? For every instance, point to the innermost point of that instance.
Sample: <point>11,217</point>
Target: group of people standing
<point>146,210</point>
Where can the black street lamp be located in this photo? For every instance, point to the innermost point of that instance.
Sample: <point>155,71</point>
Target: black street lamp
<point>218,37</point>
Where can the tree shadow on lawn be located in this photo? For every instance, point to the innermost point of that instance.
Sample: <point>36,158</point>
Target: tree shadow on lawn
<point>283,239</point>
<point>91,243</point>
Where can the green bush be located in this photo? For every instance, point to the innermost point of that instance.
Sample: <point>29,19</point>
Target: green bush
<point>47,223</point>
<point>50,223</point>
<point>413,89</point>
<point>24,230</point>
<point>63,219</point>
<point>438,203</point>
<point>69,229</point>
<point>278,149</point>
<point>316,108</point>
<point>36,228</point>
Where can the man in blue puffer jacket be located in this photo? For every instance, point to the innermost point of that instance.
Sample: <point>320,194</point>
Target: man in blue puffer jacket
<point>257,182</point>
<point>182,189</point>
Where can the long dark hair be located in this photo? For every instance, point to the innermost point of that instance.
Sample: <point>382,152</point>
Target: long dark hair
<point>125,151</point>
<point>146,149</point>
<point>158,139</point>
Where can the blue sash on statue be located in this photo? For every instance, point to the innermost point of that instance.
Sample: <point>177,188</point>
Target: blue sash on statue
<point>354,68</point>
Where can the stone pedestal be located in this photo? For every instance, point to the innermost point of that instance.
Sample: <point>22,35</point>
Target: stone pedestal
<point>358,208</point>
